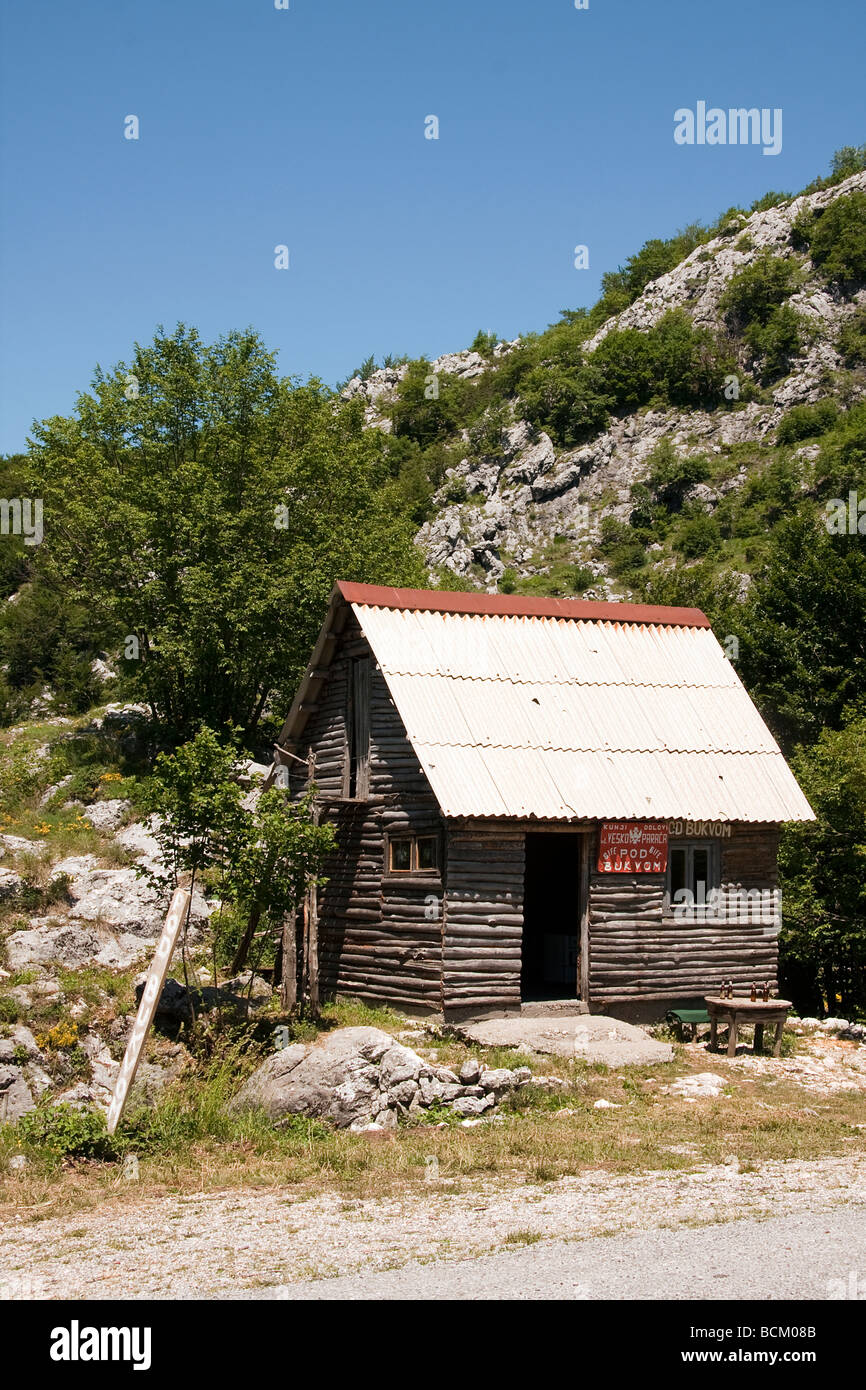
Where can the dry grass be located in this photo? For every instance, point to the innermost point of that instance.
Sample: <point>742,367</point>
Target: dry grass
<point>190,1144</point>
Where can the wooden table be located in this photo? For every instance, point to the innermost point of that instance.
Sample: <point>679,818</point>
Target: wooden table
<point>743,1010</point>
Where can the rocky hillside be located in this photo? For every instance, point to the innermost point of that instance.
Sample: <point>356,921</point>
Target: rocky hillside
<point>520,506</point>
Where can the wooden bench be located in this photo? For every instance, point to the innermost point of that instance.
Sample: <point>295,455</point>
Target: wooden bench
<point>679,1018</point>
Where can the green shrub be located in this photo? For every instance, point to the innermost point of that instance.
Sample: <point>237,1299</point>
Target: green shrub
<point>622,287</point>
<point>455,491</point>
<point>671,475</point>
<point>689,364</point>
<point>68,1133</point>
<point>777,341</point>
<point>697,536</point>
<point>44,638</point>
<point>836,239</point>
<point>566,402</point>
<point>485,435</point>
<point>807,421</point>
<point>753,293</point>
<point>852,338</point>
<point>626,363</point>
<point>621,548</point>
<point>22,775</point>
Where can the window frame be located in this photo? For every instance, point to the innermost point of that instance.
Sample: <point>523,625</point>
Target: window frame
<point>412,837</point>
<point>678,912</point>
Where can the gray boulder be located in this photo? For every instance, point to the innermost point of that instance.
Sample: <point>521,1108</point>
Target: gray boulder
<point>71,945</point>
<point>498,1080</point>
<point>107,815</point>
<point>10,884</point>
<point>119,898</point>
<point>336,1079</point>
<point>15,1096</point>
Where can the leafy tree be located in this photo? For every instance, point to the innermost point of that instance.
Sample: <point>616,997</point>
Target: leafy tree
<point>570,403</point>
<point>625,361</point>
<point>280,855</point>
<point>196,795</point>
<point>804,630</point>
<point>203,507</point>
<point>484,343</point>
<point>200,822</point>
<point>823,867</point>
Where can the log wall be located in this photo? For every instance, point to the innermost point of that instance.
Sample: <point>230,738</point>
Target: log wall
<point>639,952</point>
<point>483,919</point>
<point>380,935</point>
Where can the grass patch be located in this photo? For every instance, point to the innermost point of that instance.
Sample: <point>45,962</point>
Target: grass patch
<point>190,1142</point>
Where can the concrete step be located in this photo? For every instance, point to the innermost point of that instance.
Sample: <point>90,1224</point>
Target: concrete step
<point>545,1008</point>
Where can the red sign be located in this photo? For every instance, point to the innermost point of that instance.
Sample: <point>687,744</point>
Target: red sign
<point>633,847</point>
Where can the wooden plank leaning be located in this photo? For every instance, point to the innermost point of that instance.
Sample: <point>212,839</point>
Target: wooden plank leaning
<point>147,1007</point>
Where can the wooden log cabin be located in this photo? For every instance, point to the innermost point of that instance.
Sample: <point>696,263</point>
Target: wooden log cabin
<point>537,800</point>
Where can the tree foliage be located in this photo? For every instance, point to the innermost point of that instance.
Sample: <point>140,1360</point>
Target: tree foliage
<point>203,507</point>
<point>823,942</point>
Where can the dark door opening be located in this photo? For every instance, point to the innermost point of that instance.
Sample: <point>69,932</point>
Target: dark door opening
<point>551,917</point>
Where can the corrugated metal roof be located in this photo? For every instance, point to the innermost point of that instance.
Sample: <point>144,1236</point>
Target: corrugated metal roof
<point>563,718</point>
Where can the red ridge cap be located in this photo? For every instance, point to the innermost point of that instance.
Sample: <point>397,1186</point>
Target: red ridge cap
<point>519,605</point>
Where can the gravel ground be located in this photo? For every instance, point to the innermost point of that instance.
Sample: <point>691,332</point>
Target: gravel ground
<point>809,1256</point>
<point>225,1243</point>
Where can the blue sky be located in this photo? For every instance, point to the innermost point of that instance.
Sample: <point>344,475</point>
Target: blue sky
<point>305,127</point>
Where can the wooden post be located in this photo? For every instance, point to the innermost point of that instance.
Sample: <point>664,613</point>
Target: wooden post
<point>147,1006</point>
<point>314,949</point>
<point>290,961</point>
<point>583,945</point>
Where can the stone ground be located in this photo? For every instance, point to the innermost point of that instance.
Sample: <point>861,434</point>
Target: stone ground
<point>592,1037</point>
<point>222,1244</point>
<point>813,1255</point>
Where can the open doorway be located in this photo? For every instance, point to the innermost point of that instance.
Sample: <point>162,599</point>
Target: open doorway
<point>551,917</point>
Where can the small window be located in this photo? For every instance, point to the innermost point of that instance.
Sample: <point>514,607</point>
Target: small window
<point>693,880</point>
<point>426,852</point>
<point>413,854</point>
<point>401,856</point>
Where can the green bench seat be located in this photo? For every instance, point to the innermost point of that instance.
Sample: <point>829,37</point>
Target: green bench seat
<point>678,1018</point>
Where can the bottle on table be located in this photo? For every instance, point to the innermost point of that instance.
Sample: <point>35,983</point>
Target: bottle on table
<point>754,994</point>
